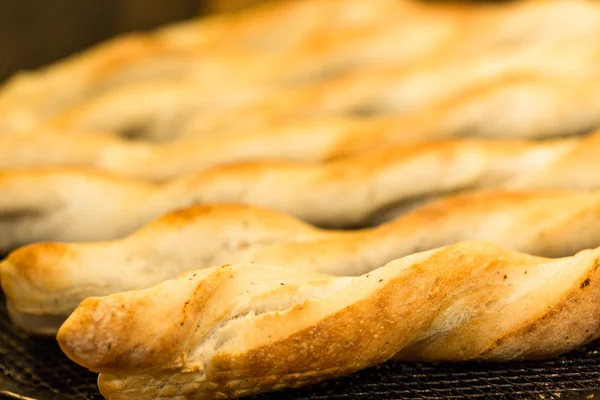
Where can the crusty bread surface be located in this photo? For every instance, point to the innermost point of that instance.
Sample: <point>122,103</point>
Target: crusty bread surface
<point>45,282</point>
<point>242,329</point>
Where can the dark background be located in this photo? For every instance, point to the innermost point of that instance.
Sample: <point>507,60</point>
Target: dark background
<point>36,32</point>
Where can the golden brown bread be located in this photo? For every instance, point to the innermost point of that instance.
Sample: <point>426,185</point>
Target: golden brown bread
<point>210,232</point>
<point>213,48</point>
<point>547,107</point>
<point>163,110</point>
<point>152,84</point>
<point>80,205</point>
<point>393,85</point>
<point>211,82</point>
<point>241,329</point>
<point>44,282</point>
<point>381,90</point>
<point>84,205</point>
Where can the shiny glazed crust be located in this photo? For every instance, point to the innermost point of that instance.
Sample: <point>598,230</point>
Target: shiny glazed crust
<point>241,329</point>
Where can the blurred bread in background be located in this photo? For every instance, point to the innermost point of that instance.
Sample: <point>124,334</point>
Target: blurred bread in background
<point>35,33</point>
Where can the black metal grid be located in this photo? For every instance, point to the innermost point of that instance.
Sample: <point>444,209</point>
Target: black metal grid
<point>36,367</point>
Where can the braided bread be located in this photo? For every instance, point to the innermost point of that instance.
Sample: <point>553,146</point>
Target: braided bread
<point>44,282</point>
<point>248,328</point>
<point>76,205</point>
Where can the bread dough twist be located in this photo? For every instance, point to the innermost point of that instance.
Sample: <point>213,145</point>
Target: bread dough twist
<point>242,329</point>
<point>163,110</point>
<point>547,107</point>
<point>322,35</point>
<point>78,205</point>
<point>44,282</point>
<point>153,84</point>
<point>394,89</point>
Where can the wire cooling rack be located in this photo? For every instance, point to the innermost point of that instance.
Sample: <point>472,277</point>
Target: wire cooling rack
<point>35,368</point>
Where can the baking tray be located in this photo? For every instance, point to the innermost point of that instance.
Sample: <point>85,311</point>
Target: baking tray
<point>34,368</point>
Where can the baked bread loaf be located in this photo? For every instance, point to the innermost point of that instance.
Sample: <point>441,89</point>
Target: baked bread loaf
<point>242,329</point>
<point>43,283</point>
<point>79,205</point>
<point>554,107</point>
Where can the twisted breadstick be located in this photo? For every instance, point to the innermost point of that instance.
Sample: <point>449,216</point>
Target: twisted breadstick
<point>176,109</point>
<point>191,48</point>
<point>132,57</point>
<point>76,205</point>
<point>212,84</point>
<point>231,229</point>
<point>392,89</point>
<point>249,328</point>
<point>319,39</point>
<point>44,282</point>
<point>554,107</point>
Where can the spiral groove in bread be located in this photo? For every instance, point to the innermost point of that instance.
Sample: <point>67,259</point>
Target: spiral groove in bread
<point>45,282</point>
<point>79,205</point>
<point>551,106</point>
<point>241,329</point>
<point>339,57</point>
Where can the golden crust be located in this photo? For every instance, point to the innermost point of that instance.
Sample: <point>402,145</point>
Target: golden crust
<point>377,87</point>
<point>339,67</point>
<point>378,90</point>
<point>211,232</point>
<point>440,305</point>
<point>50,279</point>
<point>31,215</point>
<point>414,43</point>
<point>66,206</point>
<point>548,100</point>
<point>176,51</point>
